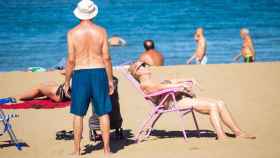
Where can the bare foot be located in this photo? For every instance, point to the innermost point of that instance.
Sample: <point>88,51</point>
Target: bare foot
<point>246,136</point>
<point>107,151</point>
<point>107,154</point>
<point>75,154</point>
<point>221,138</point>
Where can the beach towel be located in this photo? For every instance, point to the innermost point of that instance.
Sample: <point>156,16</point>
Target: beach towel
<point>36,104</point>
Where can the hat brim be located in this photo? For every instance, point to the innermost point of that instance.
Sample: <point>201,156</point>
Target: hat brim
<point>85,16</point>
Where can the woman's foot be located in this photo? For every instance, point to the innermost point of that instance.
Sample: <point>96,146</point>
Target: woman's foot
<point>245,135</point>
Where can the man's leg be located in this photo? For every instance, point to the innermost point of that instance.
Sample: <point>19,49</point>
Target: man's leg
<point>78,130</point>
<point>105,128</point>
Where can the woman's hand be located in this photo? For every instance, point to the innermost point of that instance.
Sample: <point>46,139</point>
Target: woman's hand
<point>66,89</point>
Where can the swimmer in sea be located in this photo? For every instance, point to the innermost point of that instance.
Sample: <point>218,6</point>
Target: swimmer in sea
<point>116,41</point>
<point>247,50</point>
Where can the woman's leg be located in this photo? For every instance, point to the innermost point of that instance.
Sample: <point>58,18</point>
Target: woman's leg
<point>229,121</point>
<point>48,90</point>
<point>206,106</point>
<point>217,111</point>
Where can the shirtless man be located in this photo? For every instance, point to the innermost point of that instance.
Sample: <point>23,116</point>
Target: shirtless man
<point>151,56</point>
<point>247,51</point>
<point>200,52</point>
<point>90,64</point>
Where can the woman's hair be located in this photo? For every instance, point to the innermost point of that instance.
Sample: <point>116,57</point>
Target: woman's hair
<point>133,70</point>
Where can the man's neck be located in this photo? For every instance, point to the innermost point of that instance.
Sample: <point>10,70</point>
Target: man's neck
<point>85,21</point>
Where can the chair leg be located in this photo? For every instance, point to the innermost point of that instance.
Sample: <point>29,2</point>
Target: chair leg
<point>8,128</point>
<point>153,122</point>
<point>196,124</point>
<point>146,128</point>
<point>182,124</point>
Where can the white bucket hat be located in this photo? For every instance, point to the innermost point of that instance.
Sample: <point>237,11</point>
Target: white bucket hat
<point>86,10</point>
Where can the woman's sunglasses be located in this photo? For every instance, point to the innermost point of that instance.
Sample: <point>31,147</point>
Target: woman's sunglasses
<point>142,65</point>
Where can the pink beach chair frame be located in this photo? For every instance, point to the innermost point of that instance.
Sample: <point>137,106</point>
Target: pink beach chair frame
<point>147,126</point>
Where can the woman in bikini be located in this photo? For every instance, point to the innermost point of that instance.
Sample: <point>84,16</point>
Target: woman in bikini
<point>50,90</point>
<point>216,109</point>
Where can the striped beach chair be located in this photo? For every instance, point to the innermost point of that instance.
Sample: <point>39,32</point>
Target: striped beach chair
<point>5,119</point>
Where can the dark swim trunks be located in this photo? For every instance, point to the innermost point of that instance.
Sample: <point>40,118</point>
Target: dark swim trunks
<point>248,59</point>
<point>90,84</point>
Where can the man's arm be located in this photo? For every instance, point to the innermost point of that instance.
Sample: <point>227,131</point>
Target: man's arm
<point>237,57</point>
<point>189,61</point>
<point>107,61</point>
<point>70,63</point>
<point>199,50</point>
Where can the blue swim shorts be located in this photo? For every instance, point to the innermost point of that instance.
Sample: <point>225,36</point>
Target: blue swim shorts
<point>90,85</point>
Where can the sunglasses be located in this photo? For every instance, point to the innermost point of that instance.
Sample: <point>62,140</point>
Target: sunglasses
<point>142,65</point>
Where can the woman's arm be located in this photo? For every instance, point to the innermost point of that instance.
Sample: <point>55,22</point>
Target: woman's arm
<point>155,87</point>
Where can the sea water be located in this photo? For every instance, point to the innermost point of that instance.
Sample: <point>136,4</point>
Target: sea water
<point>33,32</point>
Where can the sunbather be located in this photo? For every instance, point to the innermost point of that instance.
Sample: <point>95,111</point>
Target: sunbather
<point>216,109</point>
<point>51,90</point>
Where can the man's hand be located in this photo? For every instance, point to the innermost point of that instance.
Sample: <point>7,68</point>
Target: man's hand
<point>111,87</point>
<point>66,89</point>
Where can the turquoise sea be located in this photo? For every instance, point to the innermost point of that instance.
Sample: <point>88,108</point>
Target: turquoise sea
<point>33,32</point>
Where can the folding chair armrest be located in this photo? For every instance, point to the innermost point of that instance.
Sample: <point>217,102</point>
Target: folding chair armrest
<point>164,91</point>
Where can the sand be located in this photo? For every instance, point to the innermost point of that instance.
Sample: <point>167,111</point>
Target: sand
<point>251,92</point>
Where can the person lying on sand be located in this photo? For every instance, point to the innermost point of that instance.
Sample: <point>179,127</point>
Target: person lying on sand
<point>216,109</point>
<point>50,90</point>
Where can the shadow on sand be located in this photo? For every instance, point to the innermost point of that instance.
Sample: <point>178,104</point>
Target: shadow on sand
<point>115,144</point>
<point>8,143</point>
<point>119,144</point>
<point>190,134</point>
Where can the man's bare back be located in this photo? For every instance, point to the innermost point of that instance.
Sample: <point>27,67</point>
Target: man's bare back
<point>89,64</point>
<point>151,56</point>
<point>88,43</point>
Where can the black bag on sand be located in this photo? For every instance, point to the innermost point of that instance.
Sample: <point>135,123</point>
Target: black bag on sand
<point>115,117</point>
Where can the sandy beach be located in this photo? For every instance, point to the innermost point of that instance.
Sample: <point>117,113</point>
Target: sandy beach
<point>251,92</point>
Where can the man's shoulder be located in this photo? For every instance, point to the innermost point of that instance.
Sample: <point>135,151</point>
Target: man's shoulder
<point>153,52</point>
<point>74,29</point>
<point>94,26</point>
<point>99,28</point>
<point>150,53</point>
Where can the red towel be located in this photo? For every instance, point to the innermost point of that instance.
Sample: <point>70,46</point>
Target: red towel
<point>36,104</point>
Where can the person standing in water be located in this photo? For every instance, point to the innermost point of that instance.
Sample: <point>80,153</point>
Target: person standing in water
<point>247,50</point>
<point>151,56</point>
<point>200,52</point>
